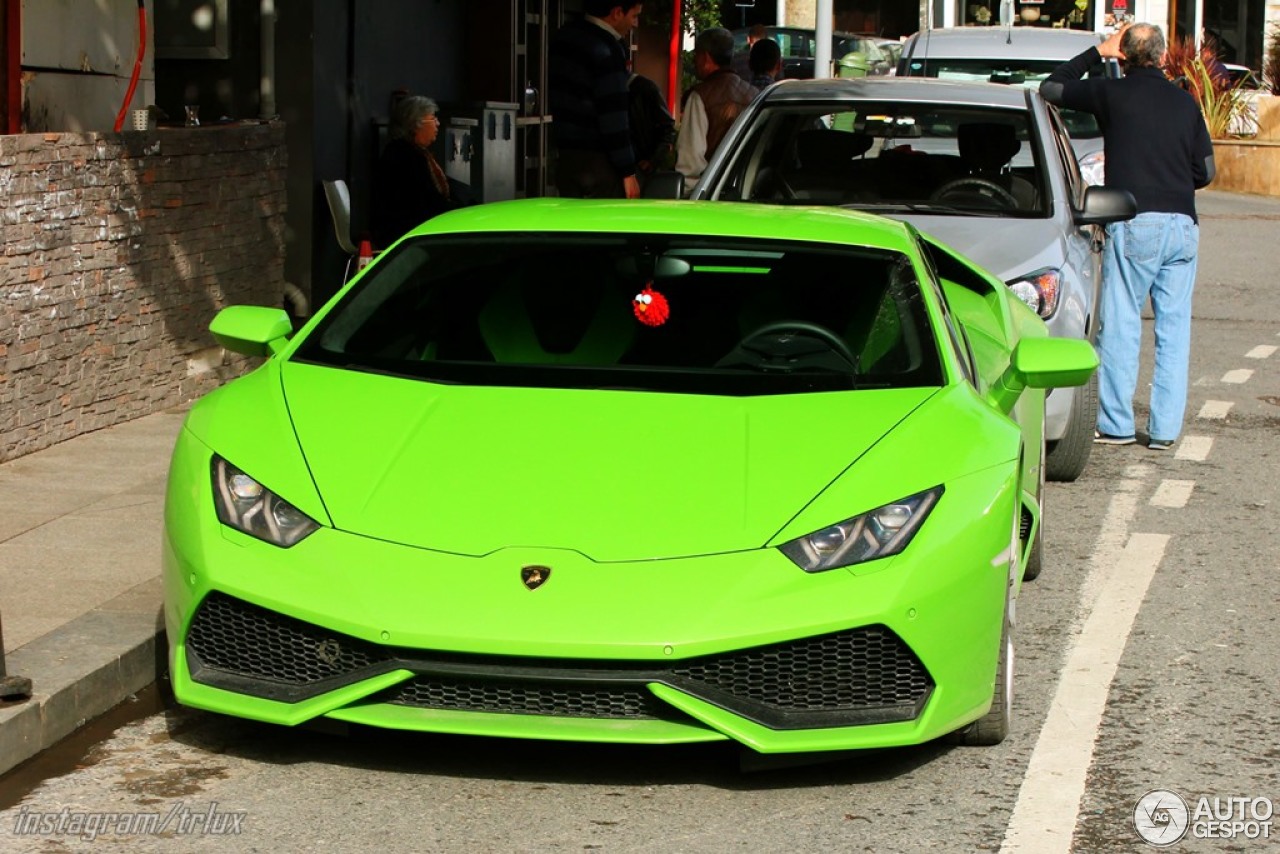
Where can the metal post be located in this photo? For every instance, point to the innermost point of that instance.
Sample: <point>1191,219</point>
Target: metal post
<point>822,33</point>
<point>11,687</point>
<point>267,77</point>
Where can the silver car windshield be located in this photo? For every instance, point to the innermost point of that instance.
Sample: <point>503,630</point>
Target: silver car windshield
<point>943,158</point>
<point>1028,73</point>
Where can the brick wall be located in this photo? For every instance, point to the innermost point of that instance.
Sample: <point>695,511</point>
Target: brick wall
<point>118,251</point>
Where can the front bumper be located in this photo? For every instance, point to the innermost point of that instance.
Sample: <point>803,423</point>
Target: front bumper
<point>740,646</point>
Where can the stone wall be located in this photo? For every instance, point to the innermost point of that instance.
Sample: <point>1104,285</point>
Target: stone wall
<point>118,251</point>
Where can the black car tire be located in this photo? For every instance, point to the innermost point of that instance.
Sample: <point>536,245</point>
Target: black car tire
<point>1069,455</point>
<point>993,727</point>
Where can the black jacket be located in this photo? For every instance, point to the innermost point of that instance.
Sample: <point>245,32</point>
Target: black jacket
<point>404,194</point>
<point>653,128</point>
<point>587,89</point>
<point>1154,136</point>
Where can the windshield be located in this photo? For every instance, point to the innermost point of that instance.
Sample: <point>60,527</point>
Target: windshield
<point>649,312</point>
<point>1015,72</point>
<point>877,155</point>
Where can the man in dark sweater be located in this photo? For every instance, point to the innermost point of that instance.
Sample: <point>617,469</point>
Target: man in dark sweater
<point>587,83</point>
<point>1157,147</point>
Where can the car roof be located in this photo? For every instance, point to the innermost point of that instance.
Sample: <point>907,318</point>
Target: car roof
<point>684,217</point>
<point>924,89</point>
<point>1004,42</point>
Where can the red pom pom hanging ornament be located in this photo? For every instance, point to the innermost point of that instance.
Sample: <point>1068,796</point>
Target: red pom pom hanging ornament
<point>651,307</point>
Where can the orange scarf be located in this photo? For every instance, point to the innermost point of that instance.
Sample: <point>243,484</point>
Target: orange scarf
<point>437,174</point>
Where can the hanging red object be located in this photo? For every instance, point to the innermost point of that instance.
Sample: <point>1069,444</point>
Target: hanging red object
<point>366,255</point>
<point>651,307</point>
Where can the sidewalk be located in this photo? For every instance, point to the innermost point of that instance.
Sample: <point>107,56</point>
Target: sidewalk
<point>80,592</point>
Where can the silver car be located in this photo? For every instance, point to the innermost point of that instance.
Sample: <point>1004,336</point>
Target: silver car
<point>984,168</point>
<point>1017,56</point>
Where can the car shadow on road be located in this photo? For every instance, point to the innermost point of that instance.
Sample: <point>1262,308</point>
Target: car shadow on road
<point>720,764</point>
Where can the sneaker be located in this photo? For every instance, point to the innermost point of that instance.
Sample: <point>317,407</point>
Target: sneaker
<point>1160,444</point>
<point>1107,439</point>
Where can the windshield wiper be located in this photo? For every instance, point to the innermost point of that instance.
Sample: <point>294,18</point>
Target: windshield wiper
<point>922,207</point>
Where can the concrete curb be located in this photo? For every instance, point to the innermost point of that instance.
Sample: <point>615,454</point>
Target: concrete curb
<point>83,669</point>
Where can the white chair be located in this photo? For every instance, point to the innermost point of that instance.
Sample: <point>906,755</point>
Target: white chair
<point>339,198</point>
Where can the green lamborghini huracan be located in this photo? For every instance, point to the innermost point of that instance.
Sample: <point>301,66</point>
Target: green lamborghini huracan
<point>635,471</point>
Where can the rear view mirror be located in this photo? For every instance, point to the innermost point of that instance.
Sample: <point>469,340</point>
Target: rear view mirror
<point>1043,363</point>
<point>1106,204</point>
<point>251,330</point>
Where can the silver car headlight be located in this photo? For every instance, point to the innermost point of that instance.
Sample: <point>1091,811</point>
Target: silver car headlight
<point>1039,290</point>
<point>248,506</point>
<point>1091,168</point>
<point>878,533</point>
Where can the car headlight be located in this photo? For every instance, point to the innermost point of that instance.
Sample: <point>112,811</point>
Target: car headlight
<point>248,506</point>
<point>1091,168</point>
<point>1039,290</point>
<point>878,533</point>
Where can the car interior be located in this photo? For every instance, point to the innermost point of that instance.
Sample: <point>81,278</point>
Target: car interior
<point>966,159</point>
<point>745,317</point>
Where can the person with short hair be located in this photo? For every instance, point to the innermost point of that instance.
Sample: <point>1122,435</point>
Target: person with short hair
<point>1157,147</point>
<point>409,185</point>
<point>765,63</point>
<point>589,100</point>
<point>712,105</point>
<point>742,58</point>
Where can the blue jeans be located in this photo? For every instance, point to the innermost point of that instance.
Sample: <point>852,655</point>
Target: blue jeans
<point>1153,254</point>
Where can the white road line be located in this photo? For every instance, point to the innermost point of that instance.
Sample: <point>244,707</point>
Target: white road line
<point>1173,493</point>
<point>1262,351</point>
<point>1215,409</point>
<point>1240,375</point>
<point>1194,448</point>
<point>1111,538</point>
<point>1044,817</point>
<point>1121,510</point>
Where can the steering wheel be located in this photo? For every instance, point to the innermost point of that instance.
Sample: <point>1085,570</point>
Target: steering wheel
<point>771,184</point>
<point>983,189</point>
<point>753,344</point>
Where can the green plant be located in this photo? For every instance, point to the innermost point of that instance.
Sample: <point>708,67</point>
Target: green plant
<point>695,15</point>
<point>1271,64</point>
<point>1198,70</point>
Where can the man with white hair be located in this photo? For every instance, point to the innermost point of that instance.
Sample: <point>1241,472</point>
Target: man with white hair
<point>1157,147</point>
<point>712,105</point>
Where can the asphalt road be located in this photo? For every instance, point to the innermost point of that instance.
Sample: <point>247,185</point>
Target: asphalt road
<point>1146,661</point>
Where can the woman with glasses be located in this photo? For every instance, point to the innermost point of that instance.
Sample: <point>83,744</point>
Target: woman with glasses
<point>409,185</point>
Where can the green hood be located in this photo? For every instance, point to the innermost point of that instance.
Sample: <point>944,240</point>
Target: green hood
<point>615,475</point>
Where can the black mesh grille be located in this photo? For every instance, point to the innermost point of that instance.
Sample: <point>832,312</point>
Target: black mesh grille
<point>529,698</point>
<point>234,636</point>
<point>863,668</point>
<point>1024,526</point>
<point>863,675</point>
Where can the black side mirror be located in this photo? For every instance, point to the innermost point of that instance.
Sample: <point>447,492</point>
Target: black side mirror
<point>1106,204</point>
<point>664,185</point>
